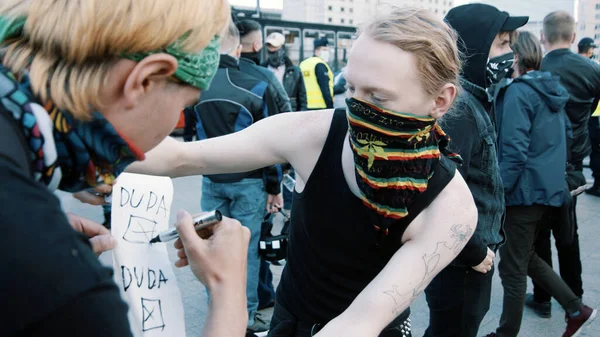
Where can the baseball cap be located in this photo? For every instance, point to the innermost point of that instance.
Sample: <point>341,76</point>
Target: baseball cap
<point>586,41</point>
<point>275,39</point>
<point>478,14</point>
<point>514,23</point>
<point>320,42</point>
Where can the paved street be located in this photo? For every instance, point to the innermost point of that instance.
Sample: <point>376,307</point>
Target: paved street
<point>187,196</point>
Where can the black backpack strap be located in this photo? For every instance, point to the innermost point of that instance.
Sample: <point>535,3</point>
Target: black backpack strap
<point>13,145</point>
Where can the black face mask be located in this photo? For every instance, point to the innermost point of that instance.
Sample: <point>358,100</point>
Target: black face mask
<point>254,56</point>
<point>500,67</point>
<point>277,58</point>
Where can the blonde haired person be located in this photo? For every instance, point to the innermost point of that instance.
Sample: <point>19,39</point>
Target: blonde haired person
<point>379,209</point>
<point>86,87</point>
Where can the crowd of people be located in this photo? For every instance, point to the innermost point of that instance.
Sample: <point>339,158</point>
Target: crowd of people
<point>459,139</point>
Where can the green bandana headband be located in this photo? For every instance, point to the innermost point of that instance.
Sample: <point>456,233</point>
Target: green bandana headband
<point>196,70</point>
<point>11,28</point>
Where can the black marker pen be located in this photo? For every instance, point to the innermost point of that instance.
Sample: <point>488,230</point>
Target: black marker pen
<point>200,222</point>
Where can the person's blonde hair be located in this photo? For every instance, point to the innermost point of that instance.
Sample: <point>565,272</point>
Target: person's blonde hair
<point>69,46</point>
<point>424,34</point>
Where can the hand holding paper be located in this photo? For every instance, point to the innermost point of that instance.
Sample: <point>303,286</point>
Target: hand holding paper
<point>100,237</point>
<point>96,196</point>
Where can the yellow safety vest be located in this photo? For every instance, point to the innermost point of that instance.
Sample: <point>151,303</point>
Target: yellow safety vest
<point>314,95</point>
<point>597,112</point>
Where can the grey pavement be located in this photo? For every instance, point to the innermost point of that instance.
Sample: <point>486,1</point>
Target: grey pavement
<point>187,196</point>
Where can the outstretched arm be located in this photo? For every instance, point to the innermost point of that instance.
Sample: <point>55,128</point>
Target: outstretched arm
<point>432,241</point>
<point>296,138</point>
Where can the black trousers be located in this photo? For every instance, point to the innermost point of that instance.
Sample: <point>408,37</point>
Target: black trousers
<point>518,260</point>
<point>569,261</point>
<point>458,299</point>
<point>284,324</point>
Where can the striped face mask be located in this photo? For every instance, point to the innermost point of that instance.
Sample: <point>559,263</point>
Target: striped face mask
<point>395,155</point>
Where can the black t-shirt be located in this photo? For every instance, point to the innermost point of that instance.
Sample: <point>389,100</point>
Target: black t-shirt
<point>52,284</point>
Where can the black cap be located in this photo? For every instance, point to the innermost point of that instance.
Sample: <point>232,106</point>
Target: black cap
<point>587,42</point>
<point>487,12</point>
<point>321,43</point>
<point>477,25</point>
<point>514,23</point>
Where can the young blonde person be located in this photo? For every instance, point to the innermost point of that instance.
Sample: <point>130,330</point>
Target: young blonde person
<point>86,88</point>
<point>379,209</point>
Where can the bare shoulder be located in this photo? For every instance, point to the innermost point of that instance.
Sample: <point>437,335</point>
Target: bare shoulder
<point>454,206</point>
<point>300,137</point>
<point>305,123</point>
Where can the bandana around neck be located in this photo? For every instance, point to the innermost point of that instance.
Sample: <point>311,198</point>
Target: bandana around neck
<point>66,153</point>
<point>395,155</point>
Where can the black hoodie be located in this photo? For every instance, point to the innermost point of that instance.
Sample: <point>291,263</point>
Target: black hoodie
<point>477,25</point>
<point>471,130</point>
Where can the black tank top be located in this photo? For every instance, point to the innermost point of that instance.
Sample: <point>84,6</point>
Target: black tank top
<point>334,251</point>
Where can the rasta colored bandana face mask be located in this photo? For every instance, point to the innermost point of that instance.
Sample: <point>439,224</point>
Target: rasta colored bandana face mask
<point>395,155</point>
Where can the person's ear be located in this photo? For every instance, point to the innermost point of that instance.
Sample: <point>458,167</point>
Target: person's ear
<point>573,38</point>
<point>542,38</point>
<point>444,101</point>
<point>238,51</point>
<point>256,46</point>
<point>515,66</point>
<point>148,74</point>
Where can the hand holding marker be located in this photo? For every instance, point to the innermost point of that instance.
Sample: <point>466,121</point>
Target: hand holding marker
<point>200,222</point>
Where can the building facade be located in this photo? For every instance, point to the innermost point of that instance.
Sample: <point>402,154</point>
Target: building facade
<point>589,21</point>
<point>351,12</point>
<point>535,9</point>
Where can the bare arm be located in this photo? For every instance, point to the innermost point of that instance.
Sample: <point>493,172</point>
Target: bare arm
<point>433,240</point>
<point>295,137</point>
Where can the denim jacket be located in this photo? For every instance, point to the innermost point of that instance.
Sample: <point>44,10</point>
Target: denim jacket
<point>473,136</point>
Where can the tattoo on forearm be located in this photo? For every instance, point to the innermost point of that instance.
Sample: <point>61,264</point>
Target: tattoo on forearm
<point>460,235</point>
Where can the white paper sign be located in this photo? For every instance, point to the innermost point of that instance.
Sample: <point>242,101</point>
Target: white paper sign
<point>140,210</point>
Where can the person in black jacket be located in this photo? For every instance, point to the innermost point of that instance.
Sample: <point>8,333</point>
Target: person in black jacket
<point>235,101</point>
<point>532,151</point>
<point>586,48</point>
<point>252,43</point>
<point>581,77</point>
<point>285,71</point>
<point>459,297</point>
